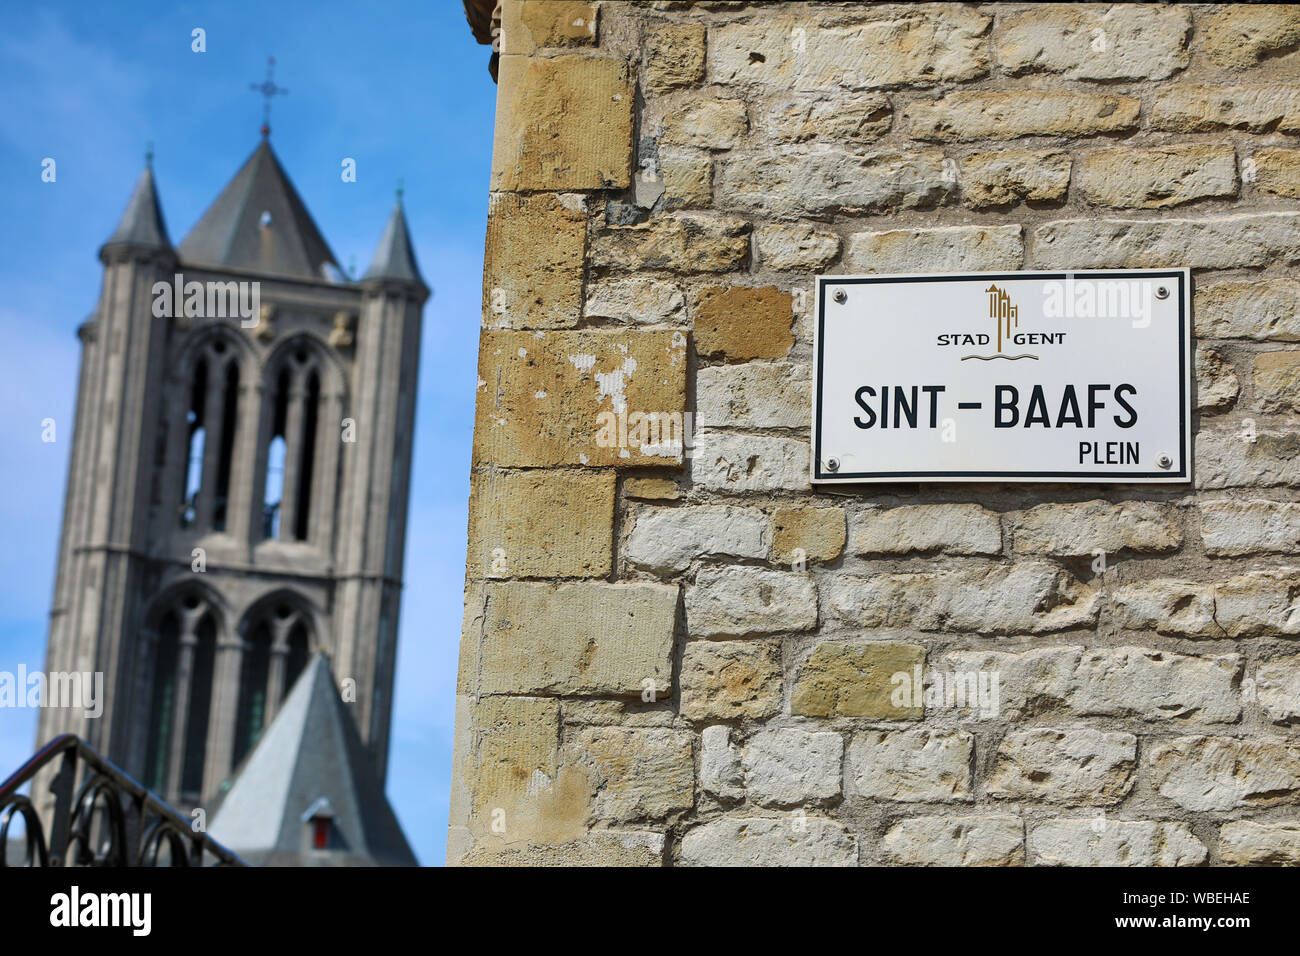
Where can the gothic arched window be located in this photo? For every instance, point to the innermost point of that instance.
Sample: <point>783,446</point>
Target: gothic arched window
<point>293,482</point>
<point>180,698</point>
<point>277,646</point>
<point>211,423</point>
<point>195,434</point>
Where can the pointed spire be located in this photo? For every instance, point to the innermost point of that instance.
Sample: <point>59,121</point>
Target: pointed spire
<point>395,259</point>
<point>260,224</point>
<point>142,224</point>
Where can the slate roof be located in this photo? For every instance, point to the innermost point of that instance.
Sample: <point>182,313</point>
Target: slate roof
<point>311,752</point>
<point>142,224</point>
<point>260,224</point>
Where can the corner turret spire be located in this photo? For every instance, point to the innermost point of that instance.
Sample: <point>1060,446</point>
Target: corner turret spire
<point>395,259</point>
<point>142,224</point>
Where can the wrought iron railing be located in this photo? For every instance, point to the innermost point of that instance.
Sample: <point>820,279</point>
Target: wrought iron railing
<point>110,820</point>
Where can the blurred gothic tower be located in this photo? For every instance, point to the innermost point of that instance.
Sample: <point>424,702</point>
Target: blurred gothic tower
<point>238,486</point>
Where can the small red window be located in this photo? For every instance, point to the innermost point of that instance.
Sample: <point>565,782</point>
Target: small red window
<point>320,833</point>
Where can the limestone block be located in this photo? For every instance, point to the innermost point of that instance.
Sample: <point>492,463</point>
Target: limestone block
<point>562,122</point>
<point>725,680</point>
<point>975,840</point>
<point>585,639</point>
<point>533,261</point>
<point>857,680</point>
<point>568,398</point>
<point>739,601</point>
<point>541,524</point>
<point>1074,766</point>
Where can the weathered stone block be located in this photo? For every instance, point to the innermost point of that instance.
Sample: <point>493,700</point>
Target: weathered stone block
<point>590,639</point>
<point>1158,177</point>
<point>1102,841</point>
<point>687,177</point>
<point>1261,602</point>
<point>1247,843</point>
<point>652,489</point>
<point>635,774</point>
<point>1007,176</point>
<point>1224,773</point>
<point>1122,42</point>
<point>533,263</point>
<point>1243,606</point>
<point>1231,528</point>
<point>668,539</point>
<point>844,121</point>
<point>753,395</point>
<point>1204,109</point>
<point>734,463</point>
<point>512,739</point>
<point>596,848</point>
<point>856,680</point>
<point>789,767</point>
<point>1030,597</point>
<point>1277,381</point>
<point>709,124</point>
<point>769,841</point>
<point>928,529</point>
<point>1224,242</point>
<point>742,322</point>
<point>1030,683</point>
<point>1009,114</point>
<point>641,300</point>
<point>800,246</point>
<point>534,24</point>
<point>1130,682</point>
<point>986,840</point>
<point>1167,607</point>
<point>1239,457</point>
<point>567,398</point>
<point>1263,310</point>
<point>934,45</point>
<point>1074,530</point>
<point>720,771</point>
<point>1240,35</point>
<point>807,534</point>
<point>724,680</point>
<point>1277,171</point>
<point>1075,766</point>
<point>946,249</point>
<point>541,524</point>
<point>736,602</point>
<point>674,57</point>
<point>1216,382</point>
<point>1277,688</point>
<point>1156,685</point>
<point>562,122</point>
<point>791,181</point>
<point>911,765</point>
<point>683,243</point>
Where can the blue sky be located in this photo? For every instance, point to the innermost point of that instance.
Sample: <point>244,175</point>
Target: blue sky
<point>401,87</point>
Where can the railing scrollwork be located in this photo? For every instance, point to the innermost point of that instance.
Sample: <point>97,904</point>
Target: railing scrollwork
<point>110,820</point>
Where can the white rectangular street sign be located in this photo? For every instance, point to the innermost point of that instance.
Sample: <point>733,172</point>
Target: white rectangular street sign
<point>1020,376</point>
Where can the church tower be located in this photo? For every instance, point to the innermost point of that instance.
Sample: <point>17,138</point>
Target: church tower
<point>239,478</point>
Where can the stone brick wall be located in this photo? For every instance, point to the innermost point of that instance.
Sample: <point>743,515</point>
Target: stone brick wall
<point>685,655</point>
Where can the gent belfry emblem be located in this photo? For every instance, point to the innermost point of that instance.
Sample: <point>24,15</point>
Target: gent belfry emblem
<point>1002,312</point>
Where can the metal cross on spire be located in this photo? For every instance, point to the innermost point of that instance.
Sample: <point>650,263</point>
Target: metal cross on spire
<point>268,89</point>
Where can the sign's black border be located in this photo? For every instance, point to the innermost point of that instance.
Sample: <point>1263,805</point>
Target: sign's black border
<point>1165,477</point>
